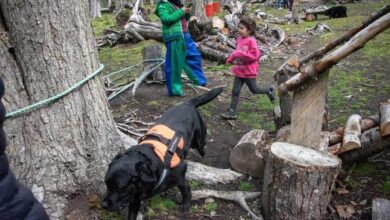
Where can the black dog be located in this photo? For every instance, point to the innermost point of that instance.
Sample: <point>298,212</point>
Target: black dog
<point>336,12</point>
<point>142,172</point>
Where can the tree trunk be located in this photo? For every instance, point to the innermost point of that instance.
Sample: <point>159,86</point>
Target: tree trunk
<point>95,8</point>
<point>298,182</point>
<point>65,147</point>
<point>153,52</point>
<point>385,118</point>
<point>247,156</point>
<point>199,10</point>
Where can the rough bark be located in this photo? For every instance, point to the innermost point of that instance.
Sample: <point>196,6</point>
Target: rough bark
<point>211,175</point>
<point>95,8</point>
<point>65,147</point>
<point>298,182</point>
<point>372,143</point>
<point>384,111</point>
<point>308,111</point>
<point>352,133</point>
<point>380,209</point>
<point>247,156</point>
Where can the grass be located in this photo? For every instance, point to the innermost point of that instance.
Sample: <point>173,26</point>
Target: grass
<point>364,169</point>
<point>106,215</point>
<point>386,185</point>
<point>159,205</point>
<point>245,186</point>
<point>195,185</point>
<point>211,206</point>
<point>99,24</point>
<point>256,112</point>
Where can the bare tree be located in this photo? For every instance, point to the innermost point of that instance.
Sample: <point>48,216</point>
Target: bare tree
<point>64,148</point>
<point>95,8</point>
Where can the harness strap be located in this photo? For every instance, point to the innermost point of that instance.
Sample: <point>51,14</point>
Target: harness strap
<point>168,158</point>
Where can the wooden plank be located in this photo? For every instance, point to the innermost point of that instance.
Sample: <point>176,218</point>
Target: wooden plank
<point>308,110</point>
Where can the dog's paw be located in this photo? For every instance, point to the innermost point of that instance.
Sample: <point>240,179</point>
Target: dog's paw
<point>184,208</point>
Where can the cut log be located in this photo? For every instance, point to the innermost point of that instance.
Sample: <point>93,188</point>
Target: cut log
<point>248,156</point>
<point>213,54</point>
<point>372,142</point>
<point>380,209</point>
<point>153,52</point>
<point>237,196</point>
<point>308,110</point>
<point>384,111</point>
<point>211,175</point>
<point>298,182</point>
<point>196,171</point>
<point>367,123</point>
<point>352,133</point>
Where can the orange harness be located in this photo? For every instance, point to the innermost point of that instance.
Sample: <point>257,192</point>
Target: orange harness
<point>162,140</point>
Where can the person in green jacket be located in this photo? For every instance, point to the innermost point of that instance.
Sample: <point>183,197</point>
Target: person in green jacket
<point>182,53</point>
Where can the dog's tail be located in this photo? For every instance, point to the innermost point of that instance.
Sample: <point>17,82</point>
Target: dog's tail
<point>205,98</point>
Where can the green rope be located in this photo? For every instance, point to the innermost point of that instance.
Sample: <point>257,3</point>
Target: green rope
<point>47,101</point>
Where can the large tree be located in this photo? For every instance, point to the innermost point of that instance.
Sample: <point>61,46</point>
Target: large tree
<point>64,148</point>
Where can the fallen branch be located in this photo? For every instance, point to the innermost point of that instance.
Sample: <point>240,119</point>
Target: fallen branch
<point>238,196</point>
<point>345,37</point>
<point>211,175</point>
<point>385,118</point>
<point>355,43</point>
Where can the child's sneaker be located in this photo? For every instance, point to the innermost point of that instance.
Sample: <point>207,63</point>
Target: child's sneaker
<point>230,115</point>
<point>271,94</point>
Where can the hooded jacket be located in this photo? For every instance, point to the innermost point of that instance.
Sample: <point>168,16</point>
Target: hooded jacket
<point>16,201</point>
<point>171,20</point>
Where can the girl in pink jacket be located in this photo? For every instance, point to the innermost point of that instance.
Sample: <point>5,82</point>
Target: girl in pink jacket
<point>245,66</point>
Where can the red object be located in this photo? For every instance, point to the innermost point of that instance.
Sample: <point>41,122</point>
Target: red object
<point>210,10</point>
<point>217,7</point>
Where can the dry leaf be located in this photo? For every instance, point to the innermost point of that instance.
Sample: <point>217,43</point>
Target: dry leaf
<point>342,191</point>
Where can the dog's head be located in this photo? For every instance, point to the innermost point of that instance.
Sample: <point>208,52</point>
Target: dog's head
<point>126,178</point>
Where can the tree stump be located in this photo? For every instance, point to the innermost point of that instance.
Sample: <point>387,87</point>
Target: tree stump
<point>153,52</point>
<point>352,132</point>
<point>248,156</point>
<point>385,118</point>
<point>298,182</point>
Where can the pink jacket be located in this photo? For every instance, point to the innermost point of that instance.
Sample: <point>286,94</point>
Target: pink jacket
<point>245,58</point>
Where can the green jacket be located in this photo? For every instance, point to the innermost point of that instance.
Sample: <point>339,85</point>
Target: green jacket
<point>171,20</point>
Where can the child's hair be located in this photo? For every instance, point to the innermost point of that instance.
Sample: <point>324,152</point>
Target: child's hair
<point>249,23</point>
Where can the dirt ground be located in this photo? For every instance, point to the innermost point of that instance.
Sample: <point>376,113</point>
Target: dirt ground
<point>356,85</point>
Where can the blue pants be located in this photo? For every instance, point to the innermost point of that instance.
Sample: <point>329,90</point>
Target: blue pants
<point>175,63</point>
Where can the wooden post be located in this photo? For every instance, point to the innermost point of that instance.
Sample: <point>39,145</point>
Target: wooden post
<point>153,52</point>
<point>385,118</point>
<point>308,111</point>
<point>247,156</point>
<point>298,182</point>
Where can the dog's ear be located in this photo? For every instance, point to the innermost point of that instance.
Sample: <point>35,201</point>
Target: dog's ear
<point>144,172</point>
